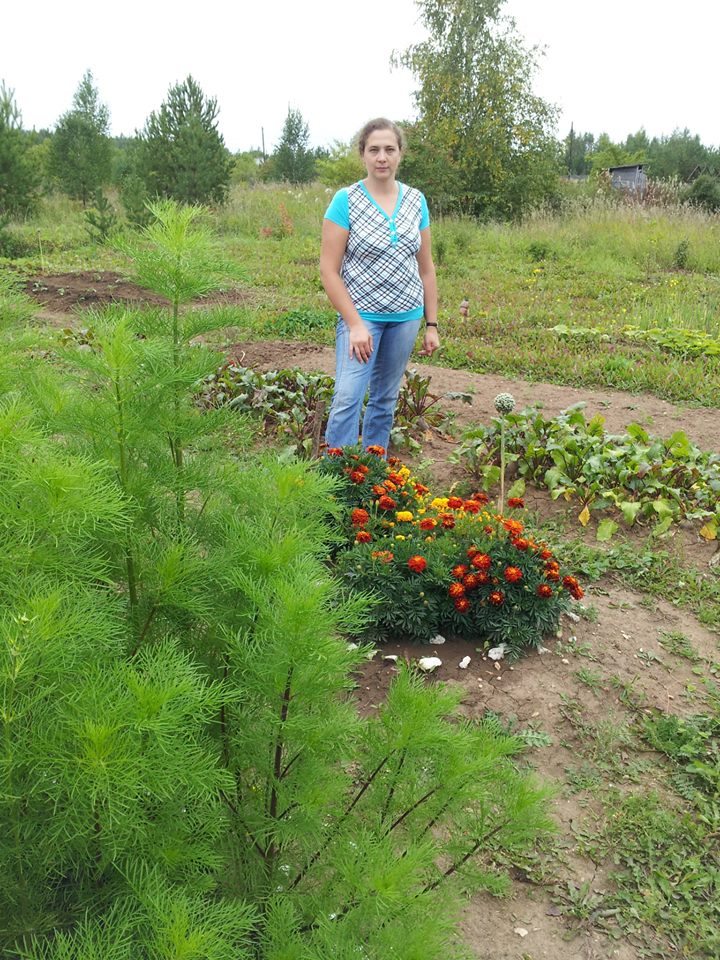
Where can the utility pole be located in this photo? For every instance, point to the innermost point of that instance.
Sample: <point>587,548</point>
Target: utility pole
<point>262,134</point>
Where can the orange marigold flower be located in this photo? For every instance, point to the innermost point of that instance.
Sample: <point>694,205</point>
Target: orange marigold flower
<point>379,490</point>
<point>359,517</point>
<point>480,497</point>
<point>513,526</point>
<point>386,503</point>
<point>513,574</point>
<point>363,468</point>
<point>383,555</point>
<point>515,502</point>
<point>394,461</point>
<point>334,451</point>
<point>546,555</point>
<point>363,536</point>
<point>481,561</point>
<point>570,582</point>
<point>428,523</point>
<point>390,485</point>
<point>482,578</point>
<point>455,503</point>
<point>470,581</point>
<point>357,476</point>
<point>488,529</point>
<point>497,598</point>
<point>376,449</point>
<point>462,604</point>
<point>552,565</point>
<point>459,571</point>
<point>544,590</point>
<point>420,488</point>
<point>577,593</point>
<point>396,478</point>
<point>448,522</point>
<point>521,543</point>
<point>456,590</point>
<point>470,506</point>
<point>417,563</point>
<point>471,551</point>
<point>551,574</point>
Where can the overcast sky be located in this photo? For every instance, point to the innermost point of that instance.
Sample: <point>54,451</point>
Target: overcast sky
<point>611,68</point>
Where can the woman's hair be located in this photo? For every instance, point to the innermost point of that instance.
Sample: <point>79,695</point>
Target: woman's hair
<point>379,123</point>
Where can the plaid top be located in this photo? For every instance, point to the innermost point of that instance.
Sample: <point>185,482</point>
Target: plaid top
<point>380,268</point>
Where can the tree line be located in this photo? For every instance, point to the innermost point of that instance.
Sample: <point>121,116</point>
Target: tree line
<point>483,143</point>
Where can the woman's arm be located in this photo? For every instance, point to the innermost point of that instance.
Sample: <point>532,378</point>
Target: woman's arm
<point>332,251</point>
<point>426,267</point>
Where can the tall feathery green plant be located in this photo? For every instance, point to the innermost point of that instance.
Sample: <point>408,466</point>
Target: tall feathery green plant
<point>183,771</point>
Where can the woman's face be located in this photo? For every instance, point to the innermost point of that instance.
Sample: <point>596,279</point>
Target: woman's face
<point>381,155</point>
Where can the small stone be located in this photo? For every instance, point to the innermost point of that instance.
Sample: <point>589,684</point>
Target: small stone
<point>497,653</point>
<point>564,660</point>
<point>572,616</point>
<point>521,931</point>
<point>464,663</point>
<point>391,657</point>
<point>428,664</point>
<point>438,639</point>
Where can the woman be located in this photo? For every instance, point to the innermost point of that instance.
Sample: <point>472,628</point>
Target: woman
<point>377,269</point>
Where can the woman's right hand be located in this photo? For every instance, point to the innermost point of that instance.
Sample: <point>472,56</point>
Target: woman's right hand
<point>361,342</point>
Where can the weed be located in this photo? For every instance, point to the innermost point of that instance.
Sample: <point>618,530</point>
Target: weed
<point>592,680</point>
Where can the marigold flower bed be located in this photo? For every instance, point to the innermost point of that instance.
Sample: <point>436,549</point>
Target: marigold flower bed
<point>443,564</point>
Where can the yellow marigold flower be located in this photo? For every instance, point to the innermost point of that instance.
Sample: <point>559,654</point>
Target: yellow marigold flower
<point>399,536</point>
<point>404,472</point>
<point>439,503</point>
<point>421,510</point>
<point>404,516</point>
<point>429,539</point>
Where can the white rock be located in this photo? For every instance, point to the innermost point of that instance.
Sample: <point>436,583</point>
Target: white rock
<point>392,657</point>
<point>428,664</point>
<point>572,616</point>
<point>464,663</point>
<point>564,660</point>
<point>542,650</point>
<point>497,653</point>
<point>353,646</point>
<point>438,639</point>
<point>371,654</point>
<point>521,931</point>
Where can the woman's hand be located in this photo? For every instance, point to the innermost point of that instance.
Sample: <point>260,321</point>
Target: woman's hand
<point>361,342</point>
<point>431,342</point>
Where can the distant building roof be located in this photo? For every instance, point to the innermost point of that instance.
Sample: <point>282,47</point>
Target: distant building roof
<point>628,166</point>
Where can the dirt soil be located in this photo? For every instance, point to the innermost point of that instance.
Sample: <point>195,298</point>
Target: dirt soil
<point>66,292</point>
<point>616,637</point>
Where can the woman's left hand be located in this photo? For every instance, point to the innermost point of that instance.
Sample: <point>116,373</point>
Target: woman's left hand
<point>431,342</point>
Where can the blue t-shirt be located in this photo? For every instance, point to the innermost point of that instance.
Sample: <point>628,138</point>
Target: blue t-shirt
<point>380,268</point>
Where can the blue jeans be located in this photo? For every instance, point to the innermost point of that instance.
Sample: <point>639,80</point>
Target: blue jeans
<point>382,375</point>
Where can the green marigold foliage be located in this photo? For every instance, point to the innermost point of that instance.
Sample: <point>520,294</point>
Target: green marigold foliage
<point>444,563</point>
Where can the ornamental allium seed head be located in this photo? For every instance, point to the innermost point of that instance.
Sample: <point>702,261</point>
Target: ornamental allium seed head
<point>504,402</point>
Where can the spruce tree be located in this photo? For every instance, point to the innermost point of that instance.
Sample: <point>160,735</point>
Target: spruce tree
<point>180,154</point>
<point>293,160</point>
<point>19,183</point>
<point>81,150</point>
